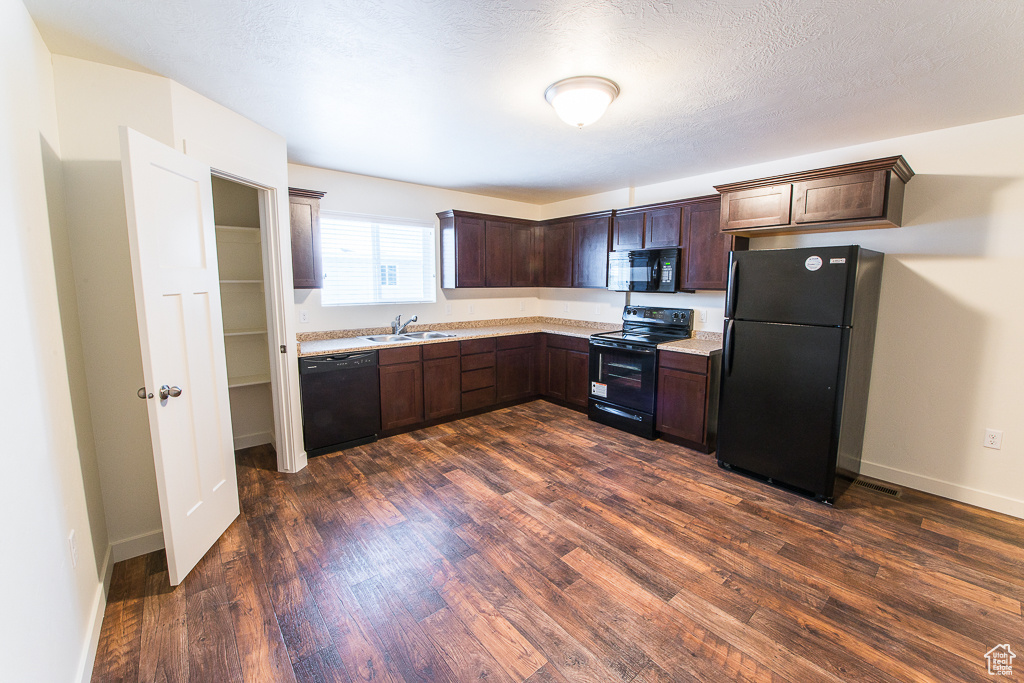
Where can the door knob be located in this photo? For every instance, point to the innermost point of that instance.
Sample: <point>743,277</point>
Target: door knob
<point>142,393</point>
<point>166,391</point>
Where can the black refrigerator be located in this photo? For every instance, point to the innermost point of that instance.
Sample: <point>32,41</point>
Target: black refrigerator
<point>796,364</point>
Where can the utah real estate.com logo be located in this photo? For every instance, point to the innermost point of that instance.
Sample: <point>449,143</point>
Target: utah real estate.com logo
<point>1000,660</point>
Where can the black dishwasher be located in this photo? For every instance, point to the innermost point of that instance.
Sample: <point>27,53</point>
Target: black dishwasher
<point>340,401</point>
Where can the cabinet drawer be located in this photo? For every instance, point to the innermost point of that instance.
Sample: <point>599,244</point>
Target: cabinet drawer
<point>477,399</point>
<point>561,341</point>
<point>402,354</point>
<point>477,379</point>
<point>687,362</point>
<point>440,350</point>
<point>857,195</point>
<point>477,361</point>
<point>756,208</point>
<point>477,345</point>
<point>516,341</point>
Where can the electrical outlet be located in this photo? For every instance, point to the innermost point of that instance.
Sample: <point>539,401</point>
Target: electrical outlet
<point>303,316</point>
<point>993,439</point>
<point>565,308</point>
<point>522,305</point>
<point>702,316</point>
<point>447,309</point>
<point>471,307</point>
<point>73,548</point>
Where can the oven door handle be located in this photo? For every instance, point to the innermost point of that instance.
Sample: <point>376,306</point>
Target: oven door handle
<point>645,350</point>
<point>616,411</point>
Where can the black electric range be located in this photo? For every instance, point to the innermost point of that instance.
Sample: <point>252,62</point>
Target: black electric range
<point>624,366</point>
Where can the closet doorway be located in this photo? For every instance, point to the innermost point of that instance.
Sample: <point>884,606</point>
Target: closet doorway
<point>242,261</point>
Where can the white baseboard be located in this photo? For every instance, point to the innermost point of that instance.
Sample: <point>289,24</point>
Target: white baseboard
<point>99,606</point>
<point>137,545</point>
<point>946,489</point>
<point>250,440</point>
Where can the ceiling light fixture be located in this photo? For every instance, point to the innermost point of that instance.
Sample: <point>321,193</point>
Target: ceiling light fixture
<point>581,100</point>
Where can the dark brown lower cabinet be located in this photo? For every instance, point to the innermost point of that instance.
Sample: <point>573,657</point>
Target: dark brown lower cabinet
<point>401,388</point>
<point>477,363</point>
<point>687,403</point>
<point>514,367</point>
<point>566,369</point>
<point>442,377</point>
<point>577,377</point>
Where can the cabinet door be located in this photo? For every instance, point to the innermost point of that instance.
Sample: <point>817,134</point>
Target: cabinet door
<point>858,195</point>
<point>577,377</point>
<point>555,368</point>
<point>469,252</point>
<point>515,373</point>
<point>307,265</point>
<point>498,246</point>
<point>401,395</point>
<point>628,231</point>
<point>590,252</point>
<point>525,256</point>
<point>707,247</point>
<point>558,255</point>
<point>442,393</point>
<point>680,406</point>
<point>756,208</point>
<point>664,227</point>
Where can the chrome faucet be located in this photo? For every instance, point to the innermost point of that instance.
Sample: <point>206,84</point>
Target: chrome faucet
<point>396,325</point>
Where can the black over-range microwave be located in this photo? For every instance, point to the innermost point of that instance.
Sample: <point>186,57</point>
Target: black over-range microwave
<point>644,270</point>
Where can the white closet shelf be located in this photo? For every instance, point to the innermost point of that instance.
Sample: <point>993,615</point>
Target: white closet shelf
<point>239,333</point>
<point>248,380</point>
<point>237,227</point>
<point>241,282</point>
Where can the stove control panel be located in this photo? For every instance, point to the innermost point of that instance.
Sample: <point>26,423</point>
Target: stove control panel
<point>662,316</point>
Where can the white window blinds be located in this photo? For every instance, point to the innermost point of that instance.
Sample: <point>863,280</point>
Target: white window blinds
<point>371,261</point>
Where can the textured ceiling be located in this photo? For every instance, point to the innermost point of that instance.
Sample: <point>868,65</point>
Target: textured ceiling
<point>450,92</point>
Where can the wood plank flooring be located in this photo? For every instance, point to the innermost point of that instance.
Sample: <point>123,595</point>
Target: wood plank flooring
<point>529,544</point>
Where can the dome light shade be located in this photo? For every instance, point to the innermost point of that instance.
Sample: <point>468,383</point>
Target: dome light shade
<point>581,100</point>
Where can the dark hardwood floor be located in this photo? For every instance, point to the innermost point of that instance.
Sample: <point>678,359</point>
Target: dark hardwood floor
<point>530,544</point>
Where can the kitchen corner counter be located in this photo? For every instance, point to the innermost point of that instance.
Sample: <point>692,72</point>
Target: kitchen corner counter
<point>702,343</point>
<point>342,341</point>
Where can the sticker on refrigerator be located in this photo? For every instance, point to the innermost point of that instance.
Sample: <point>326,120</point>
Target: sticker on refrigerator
<point>598,389</point>
<point>812,263</point>
<point>837,260</point>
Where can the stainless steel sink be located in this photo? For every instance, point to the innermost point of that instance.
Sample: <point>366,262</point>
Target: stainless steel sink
<point>388,338</point>
<point>430,334</point>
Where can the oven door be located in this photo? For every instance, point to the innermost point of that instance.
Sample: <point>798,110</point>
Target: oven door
<point>623,374</point>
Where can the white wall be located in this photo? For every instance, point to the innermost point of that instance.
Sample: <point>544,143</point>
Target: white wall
<point>50,608</point>
<point>348,193</point>
<point>947,356</point>
<point>92,99</point>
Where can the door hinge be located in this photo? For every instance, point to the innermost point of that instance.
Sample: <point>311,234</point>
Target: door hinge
<point>284,348</point>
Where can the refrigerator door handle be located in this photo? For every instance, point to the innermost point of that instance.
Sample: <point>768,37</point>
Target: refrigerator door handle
<point>727,351</point>
<point>730,302</point>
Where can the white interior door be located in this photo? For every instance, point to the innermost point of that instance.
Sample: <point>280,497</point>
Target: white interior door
<point>169,200</point>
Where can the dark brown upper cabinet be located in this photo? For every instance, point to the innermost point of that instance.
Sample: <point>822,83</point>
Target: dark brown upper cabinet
<point>527,254</point>
<point>628,230</point>
<point>591,242</point>
<point>868,194</point>
<point>307,265</point>
<point>462,249</point>
<point>498,246</point>
<point>648,227</point>
<point>707,247</point>
<point>557,254</point>
<point>478,250</point>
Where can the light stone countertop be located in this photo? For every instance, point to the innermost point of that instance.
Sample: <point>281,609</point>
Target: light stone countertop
<point>341,341</point>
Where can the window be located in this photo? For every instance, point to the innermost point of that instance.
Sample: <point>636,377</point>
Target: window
<point>375,260</point>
